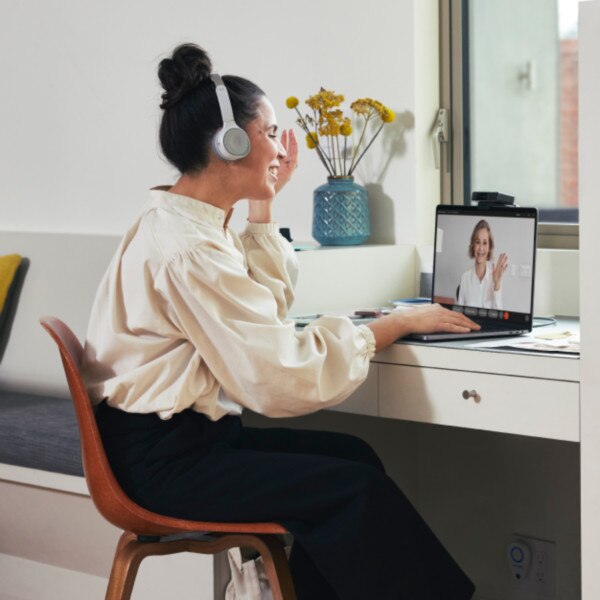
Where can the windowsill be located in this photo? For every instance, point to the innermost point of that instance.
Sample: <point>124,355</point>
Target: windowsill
<point>312,245</point>
<point>560,236</point>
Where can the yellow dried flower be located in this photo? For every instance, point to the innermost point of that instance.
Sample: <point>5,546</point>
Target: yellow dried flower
<point>388,116</point>
<point>367,107</point>
<point>326,120</point>
<point>312,141</point>
<point>330,121</point>
<point>325,100</point>
<point>346,128</point>
<point>362,107</point>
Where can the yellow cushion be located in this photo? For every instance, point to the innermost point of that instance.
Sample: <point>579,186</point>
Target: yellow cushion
<point>8,267</point>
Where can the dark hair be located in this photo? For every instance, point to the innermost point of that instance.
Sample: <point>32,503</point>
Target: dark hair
<point>483,224</point>
<point>191,114</point>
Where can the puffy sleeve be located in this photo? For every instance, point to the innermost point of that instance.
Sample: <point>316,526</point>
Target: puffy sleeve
<point>462,291</point>
<point>496,297</point>
<point>233,320</point>
<point>272,262</point>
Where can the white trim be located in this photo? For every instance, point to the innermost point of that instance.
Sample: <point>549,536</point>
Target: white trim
<point>44,479</point>
<point>24,579</point>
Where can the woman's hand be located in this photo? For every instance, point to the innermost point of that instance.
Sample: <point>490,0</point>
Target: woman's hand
<point>432,318</point>
<point>288,164</point>
<point>423,319</point>
<point>498,271</point>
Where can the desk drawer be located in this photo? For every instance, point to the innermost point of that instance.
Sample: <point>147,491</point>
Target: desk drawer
<point>519,405</point>
<point>364,400</point>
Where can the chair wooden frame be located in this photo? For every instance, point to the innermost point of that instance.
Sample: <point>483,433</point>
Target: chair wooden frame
<point>143,530</point>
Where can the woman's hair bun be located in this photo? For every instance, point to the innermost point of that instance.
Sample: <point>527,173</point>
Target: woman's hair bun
<point>188,67</point>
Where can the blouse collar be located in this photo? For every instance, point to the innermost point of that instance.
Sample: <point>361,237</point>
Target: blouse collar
<point>487,275</point>
<point>190,208</point>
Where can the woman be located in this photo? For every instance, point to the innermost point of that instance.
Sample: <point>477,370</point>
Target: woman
<point>481,285</point>
<point>189,326</point>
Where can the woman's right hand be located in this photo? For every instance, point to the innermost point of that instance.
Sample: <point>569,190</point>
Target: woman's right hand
<point>423,319</point>
<point>498,271</point>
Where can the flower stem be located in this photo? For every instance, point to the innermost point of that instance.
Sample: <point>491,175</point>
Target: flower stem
<point>341,158</point>
<point>352,167</point>
<point>322,156</point>
<point>318,117</point>
<point>356,148</point>
<point>332,153</point>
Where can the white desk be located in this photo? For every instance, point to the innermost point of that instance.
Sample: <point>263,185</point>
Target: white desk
<point>534,394</point>
<point>477,489</point>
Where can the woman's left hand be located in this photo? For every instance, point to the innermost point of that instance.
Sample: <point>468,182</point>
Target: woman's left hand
<point>287,165</point>
<point>498,271</point>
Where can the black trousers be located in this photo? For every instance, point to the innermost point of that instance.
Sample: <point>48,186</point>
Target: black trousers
<point>356,536</point>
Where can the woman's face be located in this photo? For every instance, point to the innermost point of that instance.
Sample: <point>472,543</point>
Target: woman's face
<point>481,247</point>
<point>257,172</point>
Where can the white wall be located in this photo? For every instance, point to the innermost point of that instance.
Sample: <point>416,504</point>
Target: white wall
<point>427,101</point>
<point>589,115</point>
<point>79,108</point>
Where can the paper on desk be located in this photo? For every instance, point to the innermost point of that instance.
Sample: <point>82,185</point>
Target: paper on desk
<point>562,342</point>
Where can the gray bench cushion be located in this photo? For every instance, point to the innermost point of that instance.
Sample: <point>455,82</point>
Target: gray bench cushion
<point>39,432</point>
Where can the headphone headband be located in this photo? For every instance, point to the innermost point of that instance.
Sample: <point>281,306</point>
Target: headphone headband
<point>223,98</point>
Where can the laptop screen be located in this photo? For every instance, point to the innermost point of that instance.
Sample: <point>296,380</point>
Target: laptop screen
<point>484,262</point>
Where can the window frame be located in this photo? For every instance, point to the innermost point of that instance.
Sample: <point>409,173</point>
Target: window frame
<point>453,93</point>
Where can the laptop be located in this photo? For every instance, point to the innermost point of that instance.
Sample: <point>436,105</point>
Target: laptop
<point>470,244</point>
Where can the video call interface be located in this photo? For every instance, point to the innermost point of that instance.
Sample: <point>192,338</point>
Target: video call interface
<point>484,263</point>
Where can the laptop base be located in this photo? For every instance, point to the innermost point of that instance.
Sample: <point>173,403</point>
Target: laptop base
<point>443,336</point>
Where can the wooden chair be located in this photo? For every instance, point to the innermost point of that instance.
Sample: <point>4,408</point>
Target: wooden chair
<point>144,532</point>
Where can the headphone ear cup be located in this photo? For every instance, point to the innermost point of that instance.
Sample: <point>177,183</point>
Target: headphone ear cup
<point>231,143</point>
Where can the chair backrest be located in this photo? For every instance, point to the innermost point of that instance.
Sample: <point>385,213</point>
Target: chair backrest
<point>110,500</point>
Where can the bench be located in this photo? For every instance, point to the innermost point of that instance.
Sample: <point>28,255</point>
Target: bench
<point>39,432</point>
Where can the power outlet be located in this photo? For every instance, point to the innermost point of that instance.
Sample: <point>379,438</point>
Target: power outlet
<point>532,566</point>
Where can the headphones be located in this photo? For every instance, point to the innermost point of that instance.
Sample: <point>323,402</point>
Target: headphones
<point>231,142</point>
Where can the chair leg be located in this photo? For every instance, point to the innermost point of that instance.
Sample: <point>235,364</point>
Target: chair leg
<point>128,556</point>
<point>130,553</point>
<point>277,569</point>
<point>268,546</point>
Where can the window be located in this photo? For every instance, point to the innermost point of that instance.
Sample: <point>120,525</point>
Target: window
<point>509,77</point>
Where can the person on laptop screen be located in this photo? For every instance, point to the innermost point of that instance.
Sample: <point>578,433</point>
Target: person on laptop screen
<point>481,285</point>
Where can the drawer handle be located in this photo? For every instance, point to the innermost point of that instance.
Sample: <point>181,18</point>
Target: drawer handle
<point>471,394</point>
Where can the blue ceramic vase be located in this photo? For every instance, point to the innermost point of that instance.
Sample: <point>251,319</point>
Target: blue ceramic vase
<point>341,213</point>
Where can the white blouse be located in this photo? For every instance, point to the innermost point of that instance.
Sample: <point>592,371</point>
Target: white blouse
<point>481,294</point>
<point>191,315</point>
